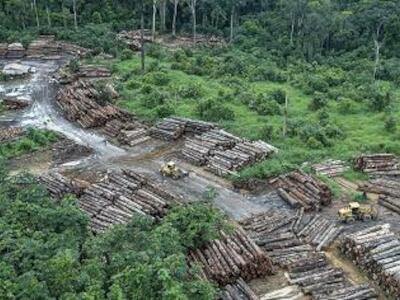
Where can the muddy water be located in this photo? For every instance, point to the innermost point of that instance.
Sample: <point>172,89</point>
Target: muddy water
<point>43,113</point>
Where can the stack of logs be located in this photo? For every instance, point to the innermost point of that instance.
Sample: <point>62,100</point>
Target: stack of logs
<point>320,280</point>
<point>239,290</point>
<point>131,133</point>
<point>376,250</point>
<point>10,134</point>
<point>15,50</point>
<point>59,185</point>
<point>224,153</point>
<point>232,257</point>
<point>320,232</point>
<point>291,292</point>
<point>78,101</point>
<point>287,238</point>
<point>171,129</point>
<point>74,50</point>
<point>91,71</point>
<point>120,195</point>
<point>388,190</point>
<point>45,47</point>
<point>15,103</point>
<point>330,168</point>
<point>3,50</point>
<point>378,164</point>
<point>133,38</point>
<point>67,150</point>
<point>299,189</point>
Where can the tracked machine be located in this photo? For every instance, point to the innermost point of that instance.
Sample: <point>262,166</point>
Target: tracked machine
<point>355,211</point>
<point>171,170</point>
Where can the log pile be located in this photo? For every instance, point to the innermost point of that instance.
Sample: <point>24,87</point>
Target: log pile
<point>78,101</point>
<point>224,153</point>
<point>272,232</point>
<point>330,168</point>
<point>358,292</point>
<point>299,189</point>
<point>239,290</point>
<point>74,50</point>
<point>120,195</point>
<point>292,292</point>
<point>388,190</point>
<point>3,50</point>
<point>91,71</point>
<point>169,129</point>
<point>320,232</point>
<point>59,186</point>
<point>15,50</point>
<point>44,47</point>
<point>67,150</point>
<point>378,164</point>
<point>11,133</point>
<point>15,103</point>
<point>376,250</point>
<point>131,133</point>
<point>232,257</point>
<point>133,38</point>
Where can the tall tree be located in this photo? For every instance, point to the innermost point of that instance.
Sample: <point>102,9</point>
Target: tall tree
<point>193,6</point>
<point>35,8</point>
<point>175,15</point>
<point>153,26</point>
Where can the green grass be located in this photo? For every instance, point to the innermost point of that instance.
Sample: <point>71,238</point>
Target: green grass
<point>363,131</point>
<point>32,141</point>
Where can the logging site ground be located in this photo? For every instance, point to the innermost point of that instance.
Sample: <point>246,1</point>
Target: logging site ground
<point>253,155</point>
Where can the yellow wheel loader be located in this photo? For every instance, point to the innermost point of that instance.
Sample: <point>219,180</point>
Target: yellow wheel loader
<point>355,211</point>
<point>171,170</point>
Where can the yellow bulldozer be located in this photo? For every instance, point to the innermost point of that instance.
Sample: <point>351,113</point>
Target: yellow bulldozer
<point>355,211</point>
<point>171,170</point>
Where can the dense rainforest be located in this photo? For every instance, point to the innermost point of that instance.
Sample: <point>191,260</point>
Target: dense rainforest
<point>317,79</point>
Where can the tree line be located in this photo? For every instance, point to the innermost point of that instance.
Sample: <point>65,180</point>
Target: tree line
<point>307,27</point>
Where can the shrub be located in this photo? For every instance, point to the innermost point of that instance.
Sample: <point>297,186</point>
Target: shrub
<point>279,95</point>
<point>126,54</point>
<point>157,78</point>
<point>267,73</point>
<point>390,124</point>
<point>165,110</point>
<point>347,106</point>
<point>379,97</point>
<point>316,84</point>
<point>268,107</point>
<point>74,65</point>
<point>190,90</point>
<point>214,111</point>
<point>318,101</point>
<point>104,93</point>
<point>266,132</point>
<point>154,98</point>
<point>133,85</point>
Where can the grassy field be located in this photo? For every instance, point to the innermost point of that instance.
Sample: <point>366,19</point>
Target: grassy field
<point>33,140</point>
<point>167,89</point>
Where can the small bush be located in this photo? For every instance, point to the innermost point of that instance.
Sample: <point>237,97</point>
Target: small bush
<point>165,110</point>
<point>278,95</point>
<point>266,132</point>
<point>126,54</point>
<point>154,99</point>
<point>190,90</point>
<point>268,108</point>
<point>133,85</point>
<point>74,65</point>
<point>318,101</point>
<point>104,93</point>
<point>214,111</point>
<point>157,78</point>
<point>390,124</point>
<point>347,106</point>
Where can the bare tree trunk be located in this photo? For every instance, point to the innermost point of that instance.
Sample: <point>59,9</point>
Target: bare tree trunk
<point>285,116</point>
<point>36,13</point>
<point>292,29</point>
<point>142,54</point>
<point>75,14</point>
<point>377,57</point>
<point>378,46</point>
<point>174,18</point>
<point>193,9</point>
<point>163,9</point>
<point>48,16</point>
<point>153,28</point>
<point>232,23</point>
